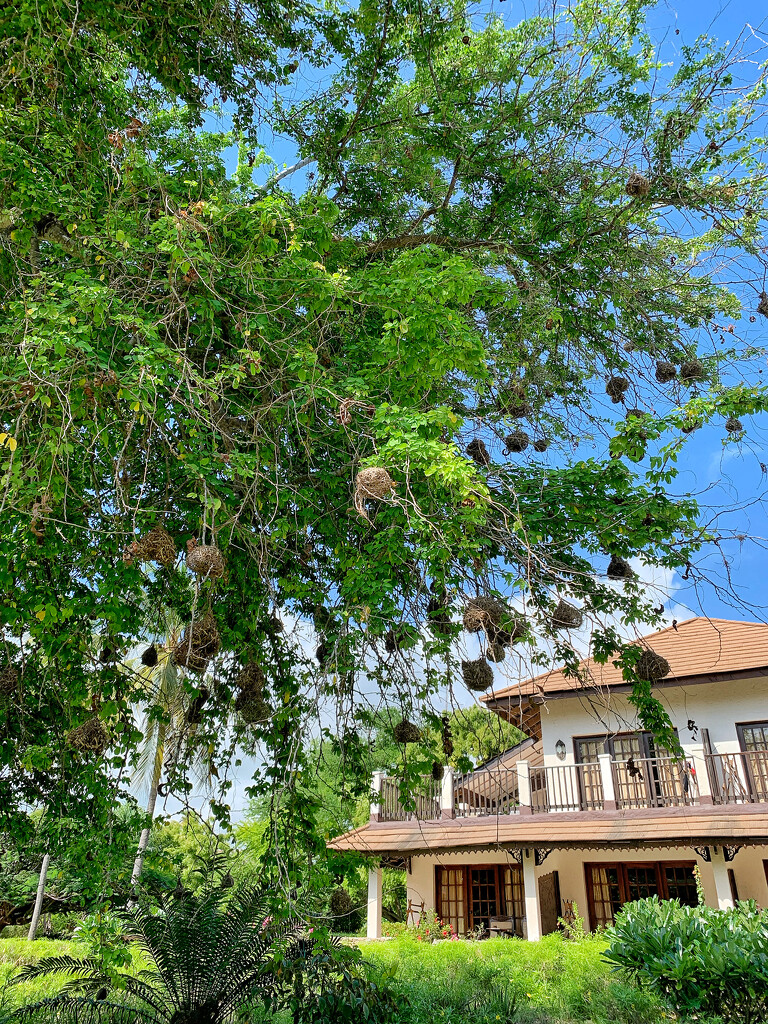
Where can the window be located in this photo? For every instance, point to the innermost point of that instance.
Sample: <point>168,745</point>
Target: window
<point>471,896</point>
<point>753,738</point>
<point>610,886</point>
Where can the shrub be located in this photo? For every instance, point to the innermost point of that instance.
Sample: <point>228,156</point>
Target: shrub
<point>431,928</point>
<point>700,960</point>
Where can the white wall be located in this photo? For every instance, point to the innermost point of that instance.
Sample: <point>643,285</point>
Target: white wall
<point>714,706</point>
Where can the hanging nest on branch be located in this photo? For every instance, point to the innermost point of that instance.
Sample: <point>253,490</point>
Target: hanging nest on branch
<point>90,737</point>
<point>619,569</point>
<point>194,715</point>
<point>447,737</point>
<point>566,616</point>
<point>615,389</point>
<point>486,613</point>
<point>665,372</point>
<point>691,426</point>
<point>155,546</point>
<point>541,444</point>
<point>439,615</point>
<point>200,643</point>
<point>477,675</point>
<point>762,306</point>
<point>517,441</point>
<point>340,904</point>
<point>149,657</point>
<point>637,186</point>
<point>437,771</point>
<point>400,638</point>
<point>406,732</point>
<point>205,560</point>
<point>693,370</point>
<point>250,678</point>
<point>733,425</point>
<point>478,452</point>
<point>650,666</point>
<point>373,483</point>
<point>9,681</point>
<point>275,624</point>
<point>496,652</point>
<point>251,707</point>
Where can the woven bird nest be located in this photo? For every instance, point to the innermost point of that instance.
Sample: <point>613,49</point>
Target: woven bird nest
<point>478,452</point>
<point>156,546</point>
<point>733,425</point>
<point>9,680</point>
<point>615,388</point>
<point>517,441</point>
<point>90,737</point>
<point>194,714</point>
<point>322,653</point>
<point>149,657</point>
<point>566,616</point>
<point>406,732</point>
<point>651,666</point>
<point>762,306</point>
<point>251,707</point>
<point>340,903</point>
<point>205,560</point>
<point>691,426</point>
<point>477,675</point>
<point>619,569</point>
<point>437,771</point>
<point>637,186</point>
<point>200,643</point>
<point>400,638</point>
<point>275,624</point>
<point>250,678</point>
<point>540,444</point>
<point>486,613</point>
<point>665,372</point>
<point>693,370</point>
<point>439,615</point>
<point>496,652</point>
<point>373,483</point>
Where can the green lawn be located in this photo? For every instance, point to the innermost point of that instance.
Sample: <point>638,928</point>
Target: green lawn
<point>553,981</point>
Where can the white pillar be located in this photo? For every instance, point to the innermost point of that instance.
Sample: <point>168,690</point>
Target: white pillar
<point>532,915</point>
<point>446,794</point>
<point>524,786</point>
<point>373,923</point>
<point>376,789</point>
<point>722,883</point>
<point>606,774</point>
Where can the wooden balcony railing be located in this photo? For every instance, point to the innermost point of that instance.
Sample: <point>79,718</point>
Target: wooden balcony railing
<point>740,778</point>
<point>488,791</point>
<point>566,787</point>
<point>654,782</point>
<point>423,805</point>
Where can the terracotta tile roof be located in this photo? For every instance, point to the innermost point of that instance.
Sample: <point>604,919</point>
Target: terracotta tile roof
<point>654,827</point>
<point>699,647</point>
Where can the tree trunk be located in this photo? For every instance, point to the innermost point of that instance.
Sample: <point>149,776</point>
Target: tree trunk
<point>39,897</point>
<point>138,864</point>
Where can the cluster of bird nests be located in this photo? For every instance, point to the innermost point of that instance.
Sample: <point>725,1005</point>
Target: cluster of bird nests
<point>90,737</point>
<point>372,484</point>
<point>250,703</point>
<point>9,681</point>
<point>477,675</point>
<point>650,666</point>
<point>637,186</point>
<point>615,388</point>
<point>566,616</point>
<point>619,569</point>
<point>205,560</point>
<point>201,642</point>
<point>501,625</point>
<point>155,546</point>
<point>406,732</point>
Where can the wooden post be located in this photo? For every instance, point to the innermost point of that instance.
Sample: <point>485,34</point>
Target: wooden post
<point>39,898</point>
<point>446,794</point>
<point>373,921</point>
<point>532,910</point>
<point>524,786</point>
<point>606,774</point>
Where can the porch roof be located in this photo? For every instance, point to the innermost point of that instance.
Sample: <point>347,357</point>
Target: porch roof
<point>631,828</point>
<point>698,650</point>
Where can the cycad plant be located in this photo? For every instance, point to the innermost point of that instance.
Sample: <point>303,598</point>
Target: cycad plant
<point>209,954</point>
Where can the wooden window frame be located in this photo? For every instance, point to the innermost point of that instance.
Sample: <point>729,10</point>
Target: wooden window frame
<point>741,726</point>
<point>501,897</point>
<point>621,867</point>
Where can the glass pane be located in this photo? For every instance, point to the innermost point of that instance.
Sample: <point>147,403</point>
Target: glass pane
<point>452,898</point>
<point>755,736</point>
<point>606,894</point>
<point>483,895</point>
<point>514,901</point>
<point>681,884</point>
<point>642,882</point>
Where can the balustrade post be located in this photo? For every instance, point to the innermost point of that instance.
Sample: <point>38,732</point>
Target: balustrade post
<point>376,789</point>
<point>524,787</point>
<point>446,794</point>
<point>695,754</point>
<point>606,775</point>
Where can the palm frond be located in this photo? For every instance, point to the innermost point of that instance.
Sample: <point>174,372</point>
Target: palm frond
<point>68,1010</point>
<point>70,965</point>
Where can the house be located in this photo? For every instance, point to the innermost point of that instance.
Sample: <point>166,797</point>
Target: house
<point>589,812</point>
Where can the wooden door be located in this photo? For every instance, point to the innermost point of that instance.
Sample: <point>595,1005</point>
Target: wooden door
<point>549,901</point>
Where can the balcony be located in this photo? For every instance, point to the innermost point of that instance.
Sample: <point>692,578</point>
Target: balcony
<point>606,785</point>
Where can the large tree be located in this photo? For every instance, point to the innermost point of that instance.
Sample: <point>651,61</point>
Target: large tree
<point>376,400</point>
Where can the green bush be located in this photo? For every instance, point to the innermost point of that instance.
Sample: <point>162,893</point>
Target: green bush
<point>701,961</point>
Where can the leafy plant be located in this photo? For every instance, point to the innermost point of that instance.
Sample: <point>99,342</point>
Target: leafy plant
<point>432,928</point>
<point>702,961</point>
<point>103,934</point>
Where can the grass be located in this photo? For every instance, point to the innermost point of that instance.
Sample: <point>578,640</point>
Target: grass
<point>499,981</point>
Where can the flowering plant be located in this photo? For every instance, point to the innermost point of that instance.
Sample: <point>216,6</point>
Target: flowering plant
<point>431,928</point>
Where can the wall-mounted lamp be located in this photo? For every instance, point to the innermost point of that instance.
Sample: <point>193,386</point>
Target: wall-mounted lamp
<point>560,750</point>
